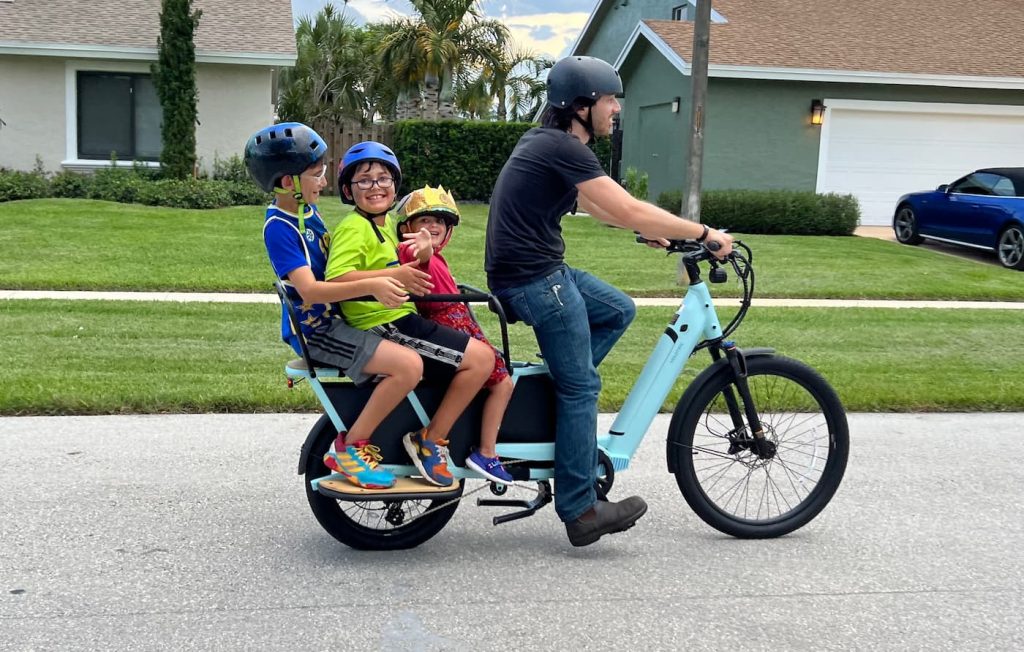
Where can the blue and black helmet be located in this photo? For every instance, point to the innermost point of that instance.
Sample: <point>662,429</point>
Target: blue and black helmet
<point>282,150</point>
<point>366,152</point>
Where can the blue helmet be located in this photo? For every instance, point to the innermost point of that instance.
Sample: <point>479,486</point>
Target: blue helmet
<point>282,150</point>
<point>366,152</point>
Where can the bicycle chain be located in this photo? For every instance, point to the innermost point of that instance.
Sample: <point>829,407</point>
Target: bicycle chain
<point>522,484</point>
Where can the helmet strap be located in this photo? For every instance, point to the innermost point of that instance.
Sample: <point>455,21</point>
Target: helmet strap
<point>369,218</point>
<point>297,194</point>
<point>586,124</point>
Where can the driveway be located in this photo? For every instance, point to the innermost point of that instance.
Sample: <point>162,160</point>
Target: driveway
<point>886,233</point>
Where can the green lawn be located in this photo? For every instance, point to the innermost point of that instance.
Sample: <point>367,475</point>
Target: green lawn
<point>99,357</point>
<point>93,245</point>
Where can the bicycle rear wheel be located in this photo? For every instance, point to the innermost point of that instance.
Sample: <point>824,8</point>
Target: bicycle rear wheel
<point>723,479</point>
<point>372,524</point>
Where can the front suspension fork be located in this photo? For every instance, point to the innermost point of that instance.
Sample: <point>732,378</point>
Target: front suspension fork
<point>757,441</point>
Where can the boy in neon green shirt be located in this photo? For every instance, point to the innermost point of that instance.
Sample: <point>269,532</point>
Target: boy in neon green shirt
<point>365,245</point>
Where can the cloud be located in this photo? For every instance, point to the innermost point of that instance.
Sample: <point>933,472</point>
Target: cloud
<point>359,11</point>
<point>550,34</point>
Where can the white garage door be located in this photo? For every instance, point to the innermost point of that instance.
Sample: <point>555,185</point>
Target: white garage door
<point>878,151</point>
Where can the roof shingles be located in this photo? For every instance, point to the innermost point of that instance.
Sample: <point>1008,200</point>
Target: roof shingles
<point>238,26</point>
<point>937,37</point>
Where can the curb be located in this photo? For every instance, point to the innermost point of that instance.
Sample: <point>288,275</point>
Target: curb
<point>225,297</point>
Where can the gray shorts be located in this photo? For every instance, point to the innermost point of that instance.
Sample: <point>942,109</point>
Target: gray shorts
<point>345,348</point>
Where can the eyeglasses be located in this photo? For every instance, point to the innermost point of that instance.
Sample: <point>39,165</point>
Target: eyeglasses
<point>366,184</point>
<point>322,175</point>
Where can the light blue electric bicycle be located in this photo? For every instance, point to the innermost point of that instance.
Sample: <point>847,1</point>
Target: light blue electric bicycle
<point>758,442</point>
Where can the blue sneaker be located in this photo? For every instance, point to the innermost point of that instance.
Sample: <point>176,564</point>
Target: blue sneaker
<point>430,458</point>
<point>358,464</point>
<point>489,467</point>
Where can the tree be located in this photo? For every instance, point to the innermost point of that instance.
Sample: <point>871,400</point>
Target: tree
<point>425,55</point>
<point>514,79</point>
<point>334,72</point>
<point>174,77</point>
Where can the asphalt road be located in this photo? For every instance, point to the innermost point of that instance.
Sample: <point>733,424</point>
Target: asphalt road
<point>192,532</point>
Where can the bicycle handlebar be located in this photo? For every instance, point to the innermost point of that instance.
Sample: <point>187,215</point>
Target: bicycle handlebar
<point>686,246</point>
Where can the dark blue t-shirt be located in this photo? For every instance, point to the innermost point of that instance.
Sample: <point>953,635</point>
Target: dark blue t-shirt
<point>535,188</point>
<point>290,250</point>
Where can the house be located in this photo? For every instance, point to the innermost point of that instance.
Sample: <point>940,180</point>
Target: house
<point>75,79</point>
<point>910,94</point>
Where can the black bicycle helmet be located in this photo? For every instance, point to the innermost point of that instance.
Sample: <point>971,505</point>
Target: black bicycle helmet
<point>581,77</point>
<point>280,150</point>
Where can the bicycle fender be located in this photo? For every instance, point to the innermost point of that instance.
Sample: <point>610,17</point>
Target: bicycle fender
<point>694,387</point>
<point>314,433</point>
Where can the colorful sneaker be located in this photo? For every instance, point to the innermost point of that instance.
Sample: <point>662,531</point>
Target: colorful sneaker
<point>430,458</point>
<point>489,467</point>
<point>359,466</point>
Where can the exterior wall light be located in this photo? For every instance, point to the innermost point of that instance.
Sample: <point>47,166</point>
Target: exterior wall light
<point>675,105</point>
<point>817,112</point>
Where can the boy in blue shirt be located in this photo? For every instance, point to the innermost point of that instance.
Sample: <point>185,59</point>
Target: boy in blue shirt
<point>288,159</point>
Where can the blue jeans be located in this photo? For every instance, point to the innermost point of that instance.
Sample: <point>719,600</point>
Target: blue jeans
<point>577,318</point>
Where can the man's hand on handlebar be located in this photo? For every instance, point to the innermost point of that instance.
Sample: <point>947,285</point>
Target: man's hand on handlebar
<point>723,240</point>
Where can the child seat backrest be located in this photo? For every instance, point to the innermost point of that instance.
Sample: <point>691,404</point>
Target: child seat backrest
<point>293,318</point>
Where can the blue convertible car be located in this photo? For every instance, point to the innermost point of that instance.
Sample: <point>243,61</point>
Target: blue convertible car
<point>983,210</point>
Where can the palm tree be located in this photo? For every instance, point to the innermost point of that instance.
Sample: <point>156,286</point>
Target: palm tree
<point>514,78</point>
<point>334,68</point>
<point>428,53</point>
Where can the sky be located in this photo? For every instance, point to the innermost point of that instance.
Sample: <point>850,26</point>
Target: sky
<point>535,24</point>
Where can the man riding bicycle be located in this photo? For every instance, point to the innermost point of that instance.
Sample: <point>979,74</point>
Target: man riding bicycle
<point>577,318</point>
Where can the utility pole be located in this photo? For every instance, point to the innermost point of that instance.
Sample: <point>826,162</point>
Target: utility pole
<point>699,81</point>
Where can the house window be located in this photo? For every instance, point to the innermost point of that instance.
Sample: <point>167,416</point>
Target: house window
<point>683,12</point>
<point>688,11</point>
<point>119,114</point>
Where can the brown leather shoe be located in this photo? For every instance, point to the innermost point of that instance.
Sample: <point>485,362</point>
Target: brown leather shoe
<point>605,517</point>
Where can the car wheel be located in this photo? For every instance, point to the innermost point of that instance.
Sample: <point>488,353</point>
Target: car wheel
<point>905,226</point>
<point>1011,247</point>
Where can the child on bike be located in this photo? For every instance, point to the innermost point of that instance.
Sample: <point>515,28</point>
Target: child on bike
<point>426,219</point>
<point>365,246</point>
<point>288,159</point>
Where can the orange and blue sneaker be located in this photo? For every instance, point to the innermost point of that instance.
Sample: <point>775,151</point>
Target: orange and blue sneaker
<point>358,463</point>
<point>430,458</point>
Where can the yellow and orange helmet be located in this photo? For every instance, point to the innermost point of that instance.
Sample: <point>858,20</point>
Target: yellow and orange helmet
<point>429,201</point>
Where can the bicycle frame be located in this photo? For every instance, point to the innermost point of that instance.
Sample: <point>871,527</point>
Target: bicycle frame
<point>695,320</point>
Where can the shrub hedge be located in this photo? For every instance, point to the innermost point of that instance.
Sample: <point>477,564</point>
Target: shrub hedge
<point>464,156</point>
<point>135,185</point>
<point>790,212</point>
<point>22,185</point>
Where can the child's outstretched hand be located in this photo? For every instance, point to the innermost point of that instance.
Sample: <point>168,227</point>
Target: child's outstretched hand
<point>413,279</point>
<point>422,245</point>
<point>389,291</point>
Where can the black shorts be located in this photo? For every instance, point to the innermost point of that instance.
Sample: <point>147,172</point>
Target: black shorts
<point>345,348</point>
<point>440,347</point>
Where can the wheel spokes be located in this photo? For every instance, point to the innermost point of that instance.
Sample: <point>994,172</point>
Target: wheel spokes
<point>1011,247</point>
<point>746,486</point>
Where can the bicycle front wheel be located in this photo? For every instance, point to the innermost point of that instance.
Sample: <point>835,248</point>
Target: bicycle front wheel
<point>748,492</point>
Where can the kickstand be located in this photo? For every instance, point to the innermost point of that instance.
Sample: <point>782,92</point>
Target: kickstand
<point>530,507</point>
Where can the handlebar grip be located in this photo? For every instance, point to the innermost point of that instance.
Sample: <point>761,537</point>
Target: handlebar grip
<point>713,245</point>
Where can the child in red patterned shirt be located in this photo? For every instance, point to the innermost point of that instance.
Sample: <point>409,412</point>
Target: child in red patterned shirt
<point>426,219</point>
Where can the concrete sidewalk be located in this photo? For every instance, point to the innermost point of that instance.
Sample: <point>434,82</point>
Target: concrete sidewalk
<point>224,297</point>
